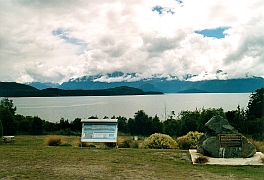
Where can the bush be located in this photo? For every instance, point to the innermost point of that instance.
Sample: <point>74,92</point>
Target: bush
<point>53,141</point>
<point>120,141</point>
<point>86,144</point>
<point>83,144</point>
<point>128,143</point>
<point>125,144</point>
<point>258,144</point>
<point>189,141</point>
<point>159,141</point>
<point>201,160</point>
<point>134,144</point>
<point>261,159</point>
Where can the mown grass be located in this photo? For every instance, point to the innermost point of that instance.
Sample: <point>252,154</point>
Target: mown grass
<point>30,158</point>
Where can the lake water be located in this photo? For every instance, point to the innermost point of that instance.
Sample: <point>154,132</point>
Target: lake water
<point>54,108</point>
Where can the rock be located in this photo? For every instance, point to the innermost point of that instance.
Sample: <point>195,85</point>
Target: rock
<point>248,149</point>
<point>219,125</point>
<point>232,144</point>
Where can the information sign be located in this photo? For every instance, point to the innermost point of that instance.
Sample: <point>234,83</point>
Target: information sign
<point>99,130</point>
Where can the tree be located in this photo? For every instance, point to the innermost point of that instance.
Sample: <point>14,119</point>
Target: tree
<point>8,104</point>
<point>142,123</point>
<point>172,127</point>
<point>255,108</point>
<point>256,127</point>
<point>36,126</point>
<point>122,124</point>
<point>93,117</point>
<point>236,118</point>
<point>1,129</point>
<point>24,126</point>
<point>64,124</point>
<point>188,121</point>
<point>156,125</point>
<point>49,126</point>
<point>255,114</point>
<point>8,122</point>
<point>131,126</point>
<point>76,125</point>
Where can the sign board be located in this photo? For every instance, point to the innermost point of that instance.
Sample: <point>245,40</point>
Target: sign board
<point>230,140</point>
<point>99,130</point>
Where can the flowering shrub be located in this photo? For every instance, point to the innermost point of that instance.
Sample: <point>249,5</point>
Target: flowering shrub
<point>189,141</point>
<point>159,141</point>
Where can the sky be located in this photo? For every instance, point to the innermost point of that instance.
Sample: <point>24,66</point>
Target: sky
<point>55,40</point>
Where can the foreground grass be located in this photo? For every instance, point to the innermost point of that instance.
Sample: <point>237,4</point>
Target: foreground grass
<point>30,158</point>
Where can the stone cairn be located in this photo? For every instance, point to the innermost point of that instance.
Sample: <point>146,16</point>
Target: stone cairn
<point>221,140</point>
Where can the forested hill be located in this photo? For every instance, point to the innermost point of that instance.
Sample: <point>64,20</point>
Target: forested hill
<point>12,89</point>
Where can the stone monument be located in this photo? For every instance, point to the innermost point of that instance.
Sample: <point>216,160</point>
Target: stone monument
<point>221,140</point>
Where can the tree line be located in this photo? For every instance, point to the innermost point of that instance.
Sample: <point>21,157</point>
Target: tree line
<point>249,121</point>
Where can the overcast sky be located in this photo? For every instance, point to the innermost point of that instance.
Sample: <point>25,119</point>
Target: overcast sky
<point>55,40</point>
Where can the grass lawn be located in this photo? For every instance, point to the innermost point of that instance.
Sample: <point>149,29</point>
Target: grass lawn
<point>29,158</point>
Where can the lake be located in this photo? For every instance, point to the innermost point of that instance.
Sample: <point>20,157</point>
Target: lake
<point>54,108</point>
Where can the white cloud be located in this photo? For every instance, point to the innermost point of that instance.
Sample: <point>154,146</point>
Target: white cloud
<point>55,41</point>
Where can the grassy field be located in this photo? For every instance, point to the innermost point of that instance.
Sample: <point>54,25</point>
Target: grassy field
<point>30,158</point>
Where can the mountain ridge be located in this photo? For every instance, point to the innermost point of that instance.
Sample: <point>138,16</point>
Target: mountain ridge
<point>173,86</point>
<point>13,89</point>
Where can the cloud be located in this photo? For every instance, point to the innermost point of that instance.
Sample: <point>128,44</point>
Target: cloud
<point>53,41</point>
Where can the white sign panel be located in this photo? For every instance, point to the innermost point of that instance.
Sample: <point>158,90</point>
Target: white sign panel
<point>99,130</point>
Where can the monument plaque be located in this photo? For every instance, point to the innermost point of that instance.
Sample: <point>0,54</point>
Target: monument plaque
<point>230,140</point>
<point>221,140</point>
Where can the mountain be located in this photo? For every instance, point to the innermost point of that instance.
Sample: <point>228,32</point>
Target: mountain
<point>193,91</point>
<point>41,86</point>
<point>171,86</point>
<point>149,88</point>
<point>124,90</point>
<point>12,89</point>
<point>8,89</point>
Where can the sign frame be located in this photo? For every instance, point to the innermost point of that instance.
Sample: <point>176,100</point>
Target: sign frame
<point>99,130</point>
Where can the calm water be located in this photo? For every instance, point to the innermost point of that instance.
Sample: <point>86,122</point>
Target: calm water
<point>55,108</point>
